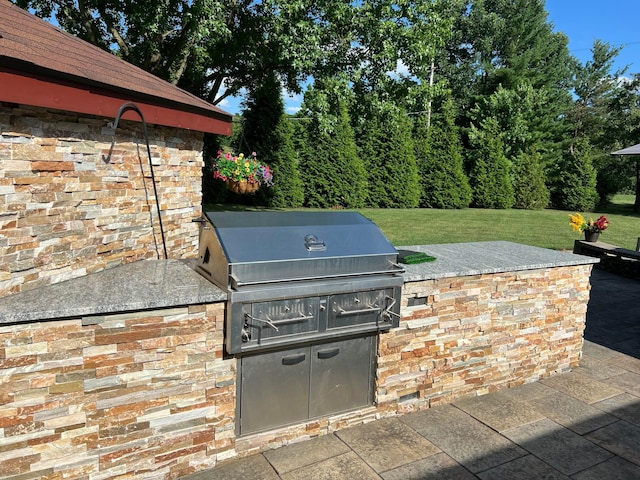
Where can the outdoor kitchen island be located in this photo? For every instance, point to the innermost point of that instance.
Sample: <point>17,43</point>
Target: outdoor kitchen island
<point>124,371</point>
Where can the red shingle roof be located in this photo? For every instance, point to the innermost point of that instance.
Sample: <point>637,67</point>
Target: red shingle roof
<point>44,66</point>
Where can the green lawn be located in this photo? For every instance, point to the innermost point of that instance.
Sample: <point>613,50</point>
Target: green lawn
<point>543,228</point>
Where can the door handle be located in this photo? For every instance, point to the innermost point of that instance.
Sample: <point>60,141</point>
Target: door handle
<point>293,359</point>
<point>324,354</point>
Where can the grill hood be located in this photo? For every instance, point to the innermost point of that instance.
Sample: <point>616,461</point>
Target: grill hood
<point>239,249</point>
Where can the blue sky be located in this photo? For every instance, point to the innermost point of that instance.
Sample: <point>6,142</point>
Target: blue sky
<point>583,21</point>
<point>612,21</point>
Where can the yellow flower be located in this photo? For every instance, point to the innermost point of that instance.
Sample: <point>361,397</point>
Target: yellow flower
<point>577,222</point>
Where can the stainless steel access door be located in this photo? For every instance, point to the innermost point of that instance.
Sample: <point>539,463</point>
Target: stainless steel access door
<point>275,389</point>
<point>289,386</point>
<point>341,376</point>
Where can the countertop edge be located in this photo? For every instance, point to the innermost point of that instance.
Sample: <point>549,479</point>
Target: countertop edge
<point>143,285</point>
<point>480,258</point>
<point>160,284</point>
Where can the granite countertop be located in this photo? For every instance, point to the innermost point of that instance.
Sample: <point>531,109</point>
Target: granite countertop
<point>152,284</point>
<point>136,286</point>
<point>461,259</point>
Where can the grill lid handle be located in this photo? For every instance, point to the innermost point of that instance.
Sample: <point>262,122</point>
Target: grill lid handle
<point>312,244</point>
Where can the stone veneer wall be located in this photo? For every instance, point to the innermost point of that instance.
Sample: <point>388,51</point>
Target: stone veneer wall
<point>142,394</point>
<point>65,213</point>
<point>476,334</point>
<point>150,395</point>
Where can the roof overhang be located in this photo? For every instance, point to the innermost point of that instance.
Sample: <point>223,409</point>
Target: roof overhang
<point>41,91</point>
<point>633,150</point>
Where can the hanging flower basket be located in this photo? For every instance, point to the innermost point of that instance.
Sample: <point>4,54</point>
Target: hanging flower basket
<point>242,175</point>
<point>243,187</point>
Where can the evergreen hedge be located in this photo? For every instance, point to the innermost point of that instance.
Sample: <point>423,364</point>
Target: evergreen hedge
<point>490,173</point>
<point>443,181</point>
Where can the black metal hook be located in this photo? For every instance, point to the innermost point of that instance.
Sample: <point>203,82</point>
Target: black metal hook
<point>132,106</point>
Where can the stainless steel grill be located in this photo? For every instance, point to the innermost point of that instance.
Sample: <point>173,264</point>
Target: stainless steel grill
<point>307,293</point>
<point>300,276</point>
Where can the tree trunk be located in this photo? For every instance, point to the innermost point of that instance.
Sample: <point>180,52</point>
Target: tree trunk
<point>433,66</point>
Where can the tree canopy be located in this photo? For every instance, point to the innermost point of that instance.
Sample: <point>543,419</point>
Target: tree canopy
<point>374,68</point>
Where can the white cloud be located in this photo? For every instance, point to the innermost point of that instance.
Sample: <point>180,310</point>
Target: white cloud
<point>401,69</point>
<point>292,101</point>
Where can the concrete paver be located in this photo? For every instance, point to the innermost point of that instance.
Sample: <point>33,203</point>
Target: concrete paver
<point>499,411</point>
<point>558,446</point>
<point>581,386</point>
<point>348,466</point>
<point>255,467</point>
<point>628,362</point>
<point>386,444</point>
<point>435,467</point>
<point>583,425</point>
<point>307,453</point>
<point>628,382</point>
<point>598,368</point>
<point>621,438</point>
<point>578,416</point>
<point>614,469</point>
<point>525,468</point>
<point>468,441</point>
<point>625,407</point>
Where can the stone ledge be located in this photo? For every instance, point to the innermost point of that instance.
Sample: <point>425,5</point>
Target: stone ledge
<point>133,287</point>
<point>478,258</point>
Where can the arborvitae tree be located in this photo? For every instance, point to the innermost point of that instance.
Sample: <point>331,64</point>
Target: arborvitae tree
<point>266,131</point>
<point>440,162</point>
<point>575,180</point>
<point>387,149</point>
<point>333,174</point>
<point>529,186</point>
<point>287,190</point>
<point>490,172</point>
